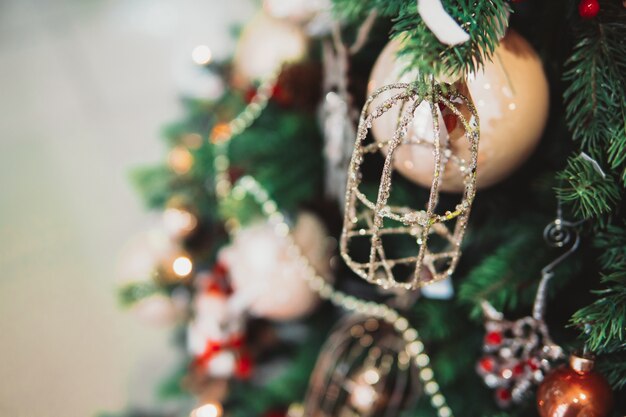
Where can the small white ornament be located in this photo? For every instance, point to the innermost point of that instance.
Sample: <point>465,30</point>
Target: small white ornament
<point>440,290</point>
<point>268,278</point>
<point>443,26</point>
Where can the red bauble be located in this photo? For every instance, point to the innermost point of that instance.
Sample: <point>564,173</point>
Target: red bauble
<point>575,391</point>
<point>588,9</point>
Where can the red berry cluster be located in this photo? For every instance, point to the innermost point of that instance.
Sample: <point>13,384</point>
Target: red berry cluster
<point>514,358</point>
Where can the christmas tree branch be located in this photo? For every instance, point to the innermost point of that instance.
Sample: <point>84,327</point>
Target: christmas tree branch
<point>596,72</point>
<point>483,20</point>
<point>595,110</point>
<point>589,192</point>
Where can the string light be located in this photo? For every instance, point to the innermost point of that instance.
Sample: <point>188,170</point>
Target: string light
<point>207,410</point>
<point>182,266</point>
<point>180,160</point>
<point>363,397</point>
<point>201,55</point>
<point>179,222</point>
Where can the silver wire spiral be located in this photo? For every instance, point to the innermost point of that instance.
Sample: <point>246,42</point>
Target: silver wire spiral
<point>558,233</point>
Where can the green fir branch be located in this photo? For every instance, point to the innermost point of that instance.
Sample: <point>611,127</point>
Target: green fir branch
<point>586,191</point>
<point>613,367</point>
<point>483,20</point>
<point>616,152</point>
<point>153,184</point>
<point>131,293</point>
<point>508,275</point>
<point>604,321</point>
<point>596,72</point>
<point>354,10</point>
<point>612,243</point>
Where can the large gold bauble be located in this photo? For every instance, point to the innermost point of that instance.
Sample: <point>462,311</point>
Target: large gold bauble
<point>511,96</point>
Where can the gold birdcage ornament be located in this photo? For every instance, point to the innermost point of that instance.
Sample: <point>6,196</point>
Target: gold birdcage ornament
<point>436,235</point>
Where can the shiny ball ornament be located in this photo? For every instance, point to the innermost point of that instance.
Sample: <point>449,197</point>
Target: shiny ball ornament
<point>575,391</point>
<point>268,277</point>
<point>511,96</point>
<point>265,45</point>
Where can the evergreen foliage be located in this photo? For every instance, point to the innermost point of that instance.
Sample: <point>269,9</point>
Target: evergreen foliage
<point>504,249</point>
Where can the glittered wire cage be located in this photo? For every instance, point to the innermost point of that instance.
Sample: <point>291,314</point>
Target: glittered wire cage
<point>363,370</point>
<point>436,236</point>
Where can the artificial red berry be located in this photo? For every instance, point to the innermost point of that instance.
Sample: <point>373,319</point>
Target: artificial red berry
<point>588,9</point>
<point>533,364</point>
<point>503,394</point>
<point>518,369</point>
<point>493,338</point>
<point>487,364</point>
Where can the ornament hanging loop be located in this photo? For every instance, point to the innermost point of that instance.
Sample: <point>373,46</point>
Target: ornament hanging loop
<point>556,234</point>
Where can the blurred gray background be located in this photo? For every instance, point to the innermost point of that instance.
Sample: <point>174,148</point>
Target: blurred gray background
<point>84,88</point>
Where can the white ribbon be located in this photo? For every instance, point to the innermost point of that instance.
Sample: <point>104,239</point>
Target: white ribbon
<point>443,26</point>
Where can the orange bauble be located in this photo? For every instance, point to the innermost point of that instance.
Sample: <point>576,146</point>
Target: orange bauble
<point>511,96</point>
<point>575,391</point>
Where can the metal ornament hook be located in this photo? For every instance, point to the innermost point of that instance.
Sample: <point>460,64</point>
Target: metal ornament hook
<point>557,234</point>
